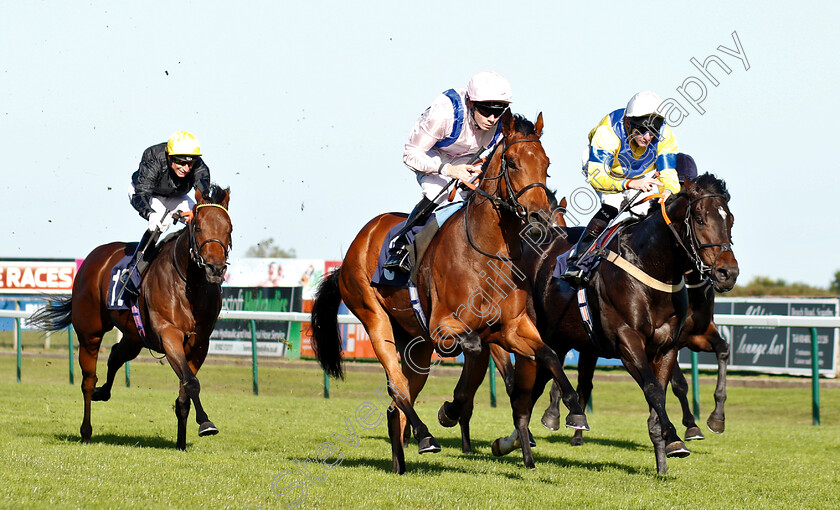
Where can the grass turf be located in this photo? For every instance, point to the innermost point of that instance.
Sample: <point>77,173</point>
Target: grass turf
<point>769,457</point>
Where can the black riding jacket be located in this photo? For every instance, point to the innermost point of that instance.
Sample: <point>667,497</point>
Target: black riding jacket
<point>155,177</point>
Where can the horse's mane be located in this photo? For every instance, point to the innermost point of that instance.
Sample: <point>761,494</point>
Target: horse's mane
<point>520,125</point>
<point>707,182</point>
<point>711,184</point>
<point>215,194</point>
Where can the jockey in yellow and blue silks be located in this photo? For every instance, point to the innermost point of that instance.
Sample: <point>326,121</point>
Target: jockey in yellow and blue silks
<point>632,154</point>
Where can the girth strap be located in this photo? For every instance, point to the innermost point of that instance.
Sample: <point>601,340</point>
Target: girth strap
<point>640,275</point>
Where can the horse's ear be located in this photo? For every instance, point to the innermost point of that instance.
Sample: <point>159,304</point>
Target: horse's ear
<point>538,127</point>
<point>563,202</point>
<point>226,200</point>
<point>199,198</point>
<point>690,188</point>
<point>507,123</point>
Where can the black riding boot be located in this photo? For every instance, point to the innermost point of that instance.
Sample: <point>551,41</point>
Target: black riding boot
<point>138,262</point>
<point>575,274</point>
<point>398,259</point>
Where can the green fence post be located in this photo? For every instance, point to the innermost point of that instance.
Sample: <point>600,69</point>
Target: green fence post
<point>127,374</point>
<point>492,382</point>
<point>18,342</point>
<point>294,341</point>
<point>815,377</point>
<point>695,384</point>
<point>326,385</point>
<point>589,408</point>
<point>70,345</point>
<point>254,356</point>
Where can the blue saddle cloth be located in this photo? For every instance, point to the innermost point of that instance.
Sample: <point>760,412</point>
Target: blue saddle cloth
<point>384,276</point>
<point>116,272</point>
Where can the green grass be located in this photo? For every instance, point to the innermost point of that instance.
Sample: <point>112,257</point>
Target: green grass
<point>770,456</point>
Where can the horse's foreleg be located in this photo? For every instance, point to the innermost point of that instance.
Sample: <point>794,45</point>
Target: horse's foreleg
<point>716,421</point>
<point>659,450</point>
<point>461,408</point>
<point>525,376</point>
<point>182,412</point>
<point>680,388</point>
<point>120,353</point>
<point>88,354</point>
<point>653,381</point>
<point>586,372</point>
<point>527,342</point>
<point>173,345</point>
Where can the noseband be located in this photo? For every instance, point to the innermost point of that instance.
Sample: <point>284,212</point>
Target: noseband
<point>511,203</point>
<point>195,247</point>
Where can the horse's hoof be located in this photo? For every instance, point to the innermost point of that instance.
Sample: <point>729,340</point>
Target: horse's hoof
<point>531,440</point>
<point>715,426</point>
<point>694,433</point>
<point>100,395</point>
<point>428,445</point>
<point>577,440</point>
<point>676,449</point>
<point>497,452</point>
<point>207,429</point>
<point>551,421</point>
<point>577,422</point>
<point>444,420</point>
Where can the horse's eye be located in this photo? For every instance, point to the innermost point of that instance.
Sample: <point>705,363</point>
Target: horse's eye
<point>511,165</point>
<point>699,220</point>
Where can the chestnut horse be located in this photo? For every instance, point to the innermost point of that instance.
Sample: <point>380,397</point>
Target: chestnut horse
<point>637,322</point>
<point>700,334</point>
<point>467,284</point>
<point>179,302</point>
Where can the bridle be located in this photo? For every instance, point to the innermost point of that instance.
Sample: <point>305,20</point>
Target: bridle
<point>195,247</point>
<point>694,244</point>
<point>511,203</point>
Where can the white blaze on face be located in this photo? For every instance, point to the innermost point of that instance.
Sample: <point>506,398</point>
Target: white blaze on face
<point>722,212</point>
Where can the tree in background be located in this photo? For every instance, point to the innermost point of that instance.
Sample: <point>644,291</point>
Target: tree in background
<point>765,286</point>
<point>266,249</point>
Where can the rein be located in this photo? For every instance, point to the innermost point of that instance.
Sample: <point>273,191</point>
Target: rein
<point>195,247</point>
<point>511,204</point>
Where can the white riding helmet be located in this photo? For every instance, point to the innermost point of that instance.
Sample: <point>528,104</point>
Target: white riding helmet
<point>643,104</point>
<point>489,86</point>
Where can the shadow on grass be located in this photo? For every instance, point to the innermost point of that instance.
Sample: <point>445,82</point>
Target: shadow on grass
<point>613,443</point>
<point>123,440</point>
<point>482,450</point>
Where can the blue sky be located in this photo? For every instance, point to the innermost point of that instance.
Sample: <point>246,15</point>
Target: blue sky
<point>303,109</point>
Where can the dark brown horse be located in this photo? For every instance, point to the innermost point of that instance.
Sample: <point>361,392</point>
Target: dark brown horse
<point>179,302</point>
<point>467,284</point>
<point>700,334</point>
<point>634,321</point>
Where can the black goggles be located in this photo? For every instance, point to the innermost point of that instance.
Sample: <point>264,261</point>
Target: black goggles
<point>183,160</point>
<point>652,124</point>
<point>489,109</point>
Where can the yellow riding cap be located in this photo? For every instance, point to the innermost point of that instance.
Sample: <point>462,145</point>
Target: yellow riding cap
<point>183,143</point>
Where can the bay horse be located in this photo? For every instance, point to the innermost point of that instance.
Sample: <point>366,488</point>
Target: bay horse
<point>467,283</point>
<point>700,334</point>
<point>179,302</point>
<point>636,322</point>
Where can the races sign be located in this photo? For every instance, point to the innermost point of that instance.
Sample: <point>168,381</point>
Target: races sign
<point>37,276</point>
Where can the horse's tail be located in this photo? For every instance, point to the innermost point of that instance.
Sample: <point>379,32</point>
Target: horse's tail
<point>54,316</point>
<point>326,339</point>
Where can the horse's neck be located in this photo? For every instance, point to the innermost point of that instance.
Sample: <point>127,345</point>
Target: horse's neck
<point>494,228</point>
<point>654,246</point>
